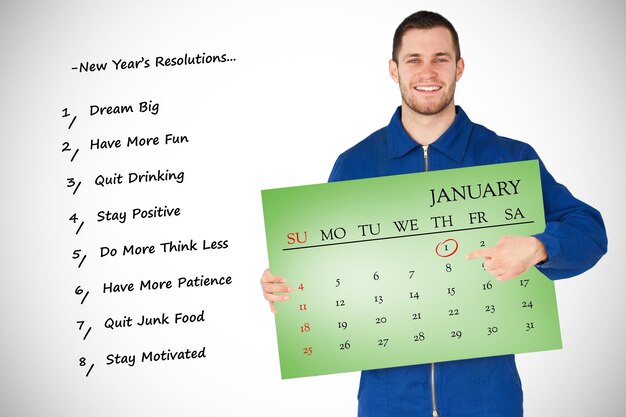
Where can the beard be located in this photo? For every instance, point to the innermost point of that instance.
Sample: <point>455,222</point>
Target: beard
<point>430,108</point>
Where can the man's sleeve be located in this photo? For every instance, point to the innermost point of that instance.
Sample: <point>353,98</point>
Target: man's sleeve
<point>336,173</point>
<point>575,236</point>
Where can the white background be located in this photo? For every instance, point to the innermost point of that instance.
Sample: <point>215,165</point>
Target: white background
<point>309,81</point>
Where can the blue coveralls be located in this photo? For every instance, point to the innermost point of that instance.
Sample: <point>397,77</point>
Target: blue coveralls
<point>575,239</point>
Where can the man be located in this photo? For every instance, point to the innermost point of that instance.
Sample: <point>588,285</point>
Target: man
<point>428,132</point>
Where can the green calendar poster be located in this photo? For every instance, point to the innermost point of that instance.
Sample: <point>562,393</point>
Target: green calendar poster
<point>380,276</point>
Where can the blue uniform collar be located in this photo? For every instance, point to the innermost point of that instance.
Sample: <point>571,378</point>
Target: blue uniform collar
<point>453,142</point>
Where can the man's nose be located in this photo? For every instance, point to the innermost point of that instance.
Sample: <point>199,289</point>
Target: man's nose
<point>427,71</point>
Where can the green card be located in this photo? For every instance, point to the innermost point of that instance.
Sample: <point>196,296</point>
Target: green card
<point>380,276</point>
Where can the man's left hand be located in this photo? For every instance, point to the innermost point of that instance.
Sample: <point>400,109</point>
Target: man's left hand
<point>511,256</point>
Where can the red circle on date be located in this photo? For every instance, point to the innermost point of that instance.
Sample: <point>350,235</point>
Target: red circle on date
<point>447,248</point>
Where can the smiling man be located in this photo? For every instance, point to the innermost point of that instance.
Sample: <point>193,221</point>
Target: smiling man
<point>428,132</point>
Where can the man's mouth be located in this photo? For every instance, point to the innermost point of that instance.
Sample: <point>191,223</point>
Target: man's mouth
<point>427,88</point>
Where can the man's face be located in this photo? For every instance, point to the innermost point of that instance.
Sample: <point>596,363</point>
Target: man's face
<point>427,70</point>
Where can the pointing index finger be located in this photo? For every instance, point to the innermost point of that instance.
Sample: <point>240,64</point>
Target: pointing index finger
<point>480,253</point>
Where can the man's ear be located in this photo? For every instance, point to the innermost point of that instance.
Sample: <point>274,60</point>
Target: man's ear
<point>393,70</point>
<point>460,67</point>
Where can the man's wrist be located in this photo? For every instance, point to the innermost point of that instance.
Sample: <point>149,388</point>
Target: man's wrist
<point>540,253</point>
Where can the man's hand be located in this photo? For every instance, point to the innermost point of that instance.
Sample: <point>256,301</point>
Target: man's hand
<point>512,256</point>
<point>272,284</point>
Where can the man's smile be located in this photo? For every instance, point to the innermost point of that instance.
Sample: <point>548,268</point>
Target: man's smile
<point>427,87</point>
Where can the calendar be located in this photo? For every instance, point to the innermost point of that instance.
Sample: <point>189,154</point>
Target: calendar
<point>380,276</point>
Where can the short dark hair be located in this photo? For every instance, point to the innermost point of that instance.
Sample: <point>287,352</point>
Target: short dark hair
<point>423,20</point>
